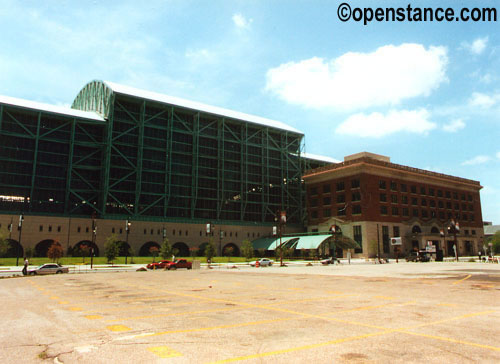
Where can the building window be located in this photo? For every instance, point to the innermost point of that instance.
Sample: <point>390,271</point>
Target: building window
<point>87,229</point>
<point>431,191</point>
<point>383,210</point>
<point>414,201</point>
<point>447,194</point>
<point>326,201</point>
<point>383,197</point>
<point>455,196</point>
<point>341,198</point>
<point>432,203</point>
<point>440,193</point>
<point>394,186</point>
<point>327,213</point>
<point>424,213</point>
<point>356,209</point>
<point>440,204</point>
<point>404,188</point>
<point>441,215</point>
<point>356,196</point>
<point>50,228</point>
<point>404,199</point>
<point>113,230</point>
<point>424,202</point>
<point>314,191</point>
<point>40,229</point>
<point>382,185</point>
<point>413,189</point>
<point>394,198</point>
<point>340,186</point>
<point>422,191</point>
<point>406,212</point>
<point>326,189</point>
<point>358,238</point>
<point>314,214</point>
<point>144,231</point>
<point>79,229</point>
<point>314,202</point>
<point>173,232</point>
<point>395,231</point>
<point>355,183</point>
<point>469,197</point>
<point>341,211</point>
<point>415,212</point>
<point>58,229</point>
<point>395,211</point>
<point>464,216</point>
<point>121,230</point>
<point>471,208</point>
<point>152,231</point>
<point>462,197</point>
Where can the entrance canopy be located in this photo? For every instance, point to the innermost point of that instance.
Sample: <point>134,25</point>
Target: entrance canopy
<point>295,242</point>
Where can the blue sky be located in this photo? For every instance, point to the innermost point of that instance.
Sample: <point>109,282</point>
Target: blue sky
<point>425,94</point>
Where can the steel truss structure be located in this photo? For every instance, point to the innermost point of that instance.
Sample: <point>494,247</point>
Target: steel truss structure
<point>149,160</point>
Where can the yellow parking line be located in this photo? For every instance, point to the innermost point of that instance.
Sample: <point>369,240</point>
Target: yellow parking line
<point>305,347</point>
<point>118,328</point>
<point>164,352</point>
<point>244,324</point>
<point>451,340</point>
<point>463,279</point>
<point>173,314</point>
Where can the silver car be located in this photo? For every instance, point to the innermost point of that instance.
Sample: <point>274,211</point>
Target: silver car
<point>49,268</point>
<point>264,262</point>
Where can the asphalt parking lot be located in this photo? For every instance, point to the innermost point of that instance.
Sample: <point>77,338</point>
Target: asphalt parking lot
<point>410,312</point>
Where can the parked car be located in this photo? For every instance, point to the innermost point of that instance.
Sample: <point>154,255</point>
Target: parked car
<point>179,263</point>
<point>49,268</point>
<point>158,265</point>
<point>330,260</point>
<point>264,262</point>
<point>421,256</point>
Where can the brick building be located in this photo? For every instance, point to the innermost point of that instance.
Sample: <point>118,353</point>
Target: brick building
<point>373,200</point>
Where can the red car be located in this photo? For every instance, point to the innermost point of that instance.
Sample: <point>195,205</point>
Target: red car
<point>158,265</point>
<point>179,263</point>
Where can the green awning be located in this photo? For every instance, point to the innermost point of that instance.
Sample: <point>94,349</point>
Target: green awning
<point>296,242</point>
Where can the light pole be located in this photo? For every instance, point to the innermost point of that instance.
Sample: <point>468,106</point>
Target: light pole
<point>94,235</point>
<point>21,219</point>
<point>221,236</point>
<point>127,230</point>
<point>453,229</point>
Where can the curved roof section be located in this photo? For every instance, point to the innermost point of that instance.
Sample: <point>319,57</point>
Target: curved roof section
<point>321,158</point>
<point>39,106</point>
<point>97,95</point>
<point>299,242</point>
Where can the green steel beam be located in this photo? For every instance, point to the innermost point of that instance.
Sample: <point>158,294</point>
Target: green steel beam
<point>70,166</point>
<point>35,156</point>
<point>140,155</point>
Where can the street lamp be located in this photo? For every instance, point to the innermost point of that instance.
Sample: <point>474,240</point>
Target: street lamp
<point>453,229</point>
<point>94,235</point>
<point>127,230</point>
<point>21,219</point>
<point>280,218</point>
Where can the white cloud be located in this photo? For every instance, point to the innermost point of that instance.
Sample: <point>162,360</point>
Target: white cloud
<point>454,126</point>
<point>354,80</point>
<point>480,159</point>
<point>484,101</point>
<point>377,124</point>
<point>477,46</point>
<point>241,22</point>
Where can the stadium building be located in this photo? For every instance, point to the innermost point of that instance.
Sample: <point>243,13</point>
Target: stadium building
<point>145,166</point>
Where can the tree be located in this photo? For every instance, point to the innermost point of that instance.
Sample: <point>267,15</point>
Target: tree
<point>55,251</point>
<point>154,252</point>
<point>228,251</point>
<point>4,243</point>
<point>210,250</point>
<point>166,249</point>
<point>29,252</point>
<point>247,249</point>
<point>84,249</point>
<point>495,240</point>
<point>111,248</point>
<point>193,251</point>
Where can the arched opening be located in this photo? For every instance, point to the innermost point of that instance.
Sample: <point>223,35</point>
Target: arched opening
<point>182,248</point>
<point>434,230</point>
<point>416,229</point>
<point>145,248</point>
<point>42,247</point>
<point>78,251</point>
<point>123,249</point>
<point>15,249</point>
<point>201,249</point>
<point>231,250</point>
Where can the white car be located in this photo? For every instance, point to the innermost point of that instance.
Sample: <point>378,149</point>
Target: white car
<point>49,268</point>
<point>264,262</point>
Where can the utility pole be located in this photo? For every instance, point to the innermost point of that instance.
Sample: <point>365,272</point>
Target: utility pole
<point>94,235</point>
<point>127,230</point>
<point>21,219</point>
